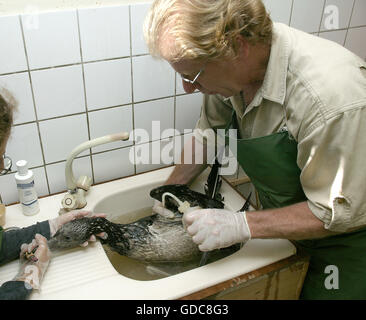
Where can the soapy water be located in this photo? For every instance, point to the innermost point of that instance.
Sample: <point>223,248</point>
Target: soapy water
<point>138,270</point>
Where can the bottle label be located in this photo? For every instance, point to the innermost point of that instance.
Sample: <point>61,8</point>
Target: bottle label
<point>25,185</point>
<point>27,193</point>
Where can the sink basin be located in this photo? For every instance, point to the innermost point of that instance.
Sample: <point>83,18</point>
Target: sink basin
<point>131,205</point>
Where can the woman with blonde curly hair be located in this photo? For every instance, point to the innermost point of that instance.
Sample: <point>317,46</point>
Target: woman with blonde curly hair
<point>298,103</point>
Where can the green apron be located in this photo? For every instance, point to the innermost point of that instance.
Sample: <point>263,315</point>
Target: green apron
<point>270,162</point>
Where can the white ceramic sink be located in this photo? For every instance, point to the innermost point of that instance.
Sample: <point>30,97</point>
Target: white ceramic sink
<point>87,273</point>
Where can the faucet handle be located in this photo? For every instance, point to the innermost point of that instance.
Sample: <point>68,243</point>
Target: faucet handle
<point>84,182</point>
<point>74,200</point>
<point>69,202</point>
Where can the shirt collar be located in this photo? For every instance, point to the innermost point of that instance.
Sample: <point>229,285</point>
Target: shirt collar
<point>274,83</point>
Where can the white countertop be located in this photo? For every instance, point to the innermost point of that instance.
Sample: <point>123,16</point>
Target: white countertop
<point>86,273</point>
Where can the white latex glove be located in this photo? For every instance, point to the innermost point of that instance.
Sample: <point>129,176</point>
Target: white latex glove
<point>159,209</point>
<point>216,228</point>
<point>56,223</point>
<point>32,270</point>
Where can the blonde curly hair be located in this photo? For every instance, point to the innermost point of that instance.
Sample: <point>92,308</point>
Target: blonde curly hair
<point>8,105</point>
<point>205,29</point>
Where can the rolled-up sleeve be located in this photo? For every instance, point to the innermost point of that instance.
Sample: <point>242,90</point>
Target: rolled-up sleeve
<point>12,240</point>
<point>332,158</point>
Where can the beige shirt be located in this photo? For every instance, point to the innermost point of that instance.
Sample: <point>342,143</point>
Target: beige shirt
<point>318,89</point>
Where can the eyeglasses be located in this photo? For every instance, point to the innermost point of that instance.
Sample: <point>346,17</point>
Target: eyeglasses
<point>7,165</point>
<point>194,79</point>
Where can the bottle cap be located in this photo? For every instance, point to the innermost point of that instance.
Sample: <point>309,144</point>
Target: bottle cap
<point>22,167</point>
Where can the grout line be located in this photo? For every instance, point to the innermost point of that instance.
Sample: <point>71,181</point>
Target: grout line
<point>57,117</point>
<point>72,64</point>
<point>85,96</point>
<point>133,102</point>
<point>103,108</point>
<point>322,17</point>
<point>85,156</point>
<point>132,92</point>
<point>349,23</point>
<point>175,112</point>
<point>292,8</point>
<point>146,54</point>
<point>34,105</point>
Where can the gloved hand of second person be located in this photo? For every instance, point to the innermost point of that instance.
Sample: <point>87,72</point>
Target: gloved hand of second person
<point>159,209</point>
<point>32,269</point>
<point>56,223</point>
<point>216,228</point>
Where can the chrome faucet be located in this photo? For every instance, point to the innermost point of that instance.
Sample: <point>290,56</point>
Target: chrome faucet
<point>75,196</point>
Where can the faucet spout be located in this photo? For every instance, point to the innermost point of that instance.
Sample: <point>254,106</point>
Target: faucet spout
<point>71,183</point>
<point>75,198</point>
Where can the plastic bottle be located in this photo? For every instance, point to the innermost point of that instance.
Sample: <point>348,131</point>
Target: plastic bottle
<point>27,193</point>
<point>184,207</point>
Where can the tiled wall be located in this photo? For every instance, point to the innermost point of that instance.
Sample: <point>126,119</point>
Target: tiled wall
<point>342,21</point>
<point>84,73</point>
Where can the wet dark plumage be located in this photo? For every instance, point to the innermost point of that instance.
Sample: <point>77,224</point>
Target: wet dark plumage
<point>185,194</point>
<point>150,239</point>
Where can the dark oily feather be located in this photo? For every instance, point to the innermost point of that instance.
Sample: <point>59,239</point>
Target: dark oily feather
<point>246,204</point>
<point>183,193</point>
<point>150,239</point>
<point>214,181</point>
<point>77,231</point>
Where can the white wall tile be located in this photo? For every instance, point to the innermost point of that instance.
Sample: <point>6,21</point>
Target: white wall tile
<point>108,121</point>
<point>280,10</point>
<point>187,111</point>
<point>104,32</point>
<point>24,144</point>
<point>52,40</point>
<point>56,173</point>
<point>61,136</point>
<point>306,15</point>
<point>18,85</point>
<point>12,56</point>
<point>336,14</point>
<point>230,168</point>
<point>113,164</point>
<point>355,41</point>
<point>138,13</point>
<point>161,110</point>
<point>152,78</point>
<point>337,36</point>
<point>108,83</point>
<point>359,14</point>
<point>154,155</point>
<point>40,181</point>
<point>179,142</point>
<point>8,187</point>
<point>58,91</point>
